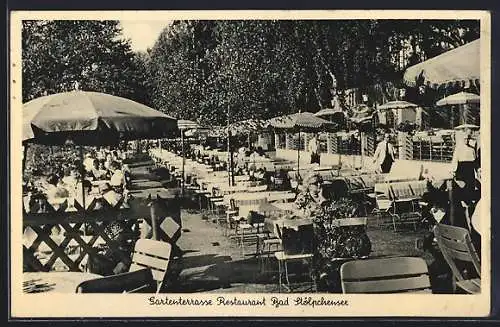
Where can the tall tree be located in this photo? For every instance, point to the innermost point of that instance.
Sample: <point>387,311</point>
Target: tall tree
<point>264,68</point>
<point>57,54</point>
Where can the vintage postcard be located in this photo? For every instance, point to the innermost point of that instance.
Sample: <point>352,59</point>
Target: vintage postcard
<point>250,163</point>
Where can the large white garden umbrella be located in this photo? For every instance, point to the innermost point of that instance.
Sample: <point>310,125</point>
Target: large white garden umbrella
<point>458,65</point>
<point>91,118</point>
<point>459,98</point>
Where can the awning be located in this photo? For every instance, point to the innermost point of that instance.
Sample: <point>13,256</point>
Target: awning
<point>458,65</point>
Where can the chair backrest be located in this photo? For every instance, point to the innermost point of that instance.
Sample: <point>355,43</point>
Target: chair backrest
<point>232,204</point>
<point>358,221</point>
<point>277,229</point>
<point>258,188</point>
<point>382,190</point>
<point>152,254</point>
<point>455,244</point>
<point>385,275</point>
<point>419,188</point>
<point>401,190</point>
<point>283,197</point>
<point>250,202</point>
<point>383,198</point>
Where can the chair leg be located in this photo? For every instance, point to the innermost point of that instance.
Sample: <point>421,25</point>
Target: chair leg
<point>311,274</point>
<point>287,277</point>
<point>279,274</point>
<point>394,222</point>
<point>242,241</point>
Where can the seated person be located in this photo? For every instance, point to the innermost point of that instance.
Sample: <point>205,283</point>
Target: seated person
<point>310,199</point>
<point>55,189</point>
<point>38,203</point>
<point>98,171</point>
<point>70,178</point>
<point>109,194</point>
<point>127,174</point>
<point>108,161</point>
<point>115,156</point>
<point>88,162</point>
<point>87,192</point>
<point>118,177</point>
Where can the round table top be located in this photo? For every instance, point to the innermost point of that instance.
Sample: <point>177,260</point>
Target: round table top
<point>56,282</point>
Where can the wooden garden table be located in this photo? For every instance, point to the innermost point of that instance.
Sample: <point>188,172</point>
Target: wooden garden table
<point>54,282</point>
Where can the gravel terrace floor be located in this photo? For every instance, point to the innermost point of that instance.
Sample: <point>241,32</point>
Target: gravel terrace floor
<point>212,262</point>
<point>215,263</point>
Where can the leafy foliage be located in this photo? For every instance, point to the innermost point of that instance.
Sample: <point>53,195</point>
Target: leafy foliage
<point>57,54</point>
<point>205,70</point>
<point>212,71</point>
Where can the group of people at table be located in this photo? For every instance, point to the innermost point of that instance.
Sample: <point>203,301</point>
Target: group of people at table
<point>105,177</point>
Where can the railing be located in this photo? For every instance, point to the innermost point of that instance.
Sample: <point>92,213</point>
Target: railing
<point>73,248</point>
<point>433,150</point>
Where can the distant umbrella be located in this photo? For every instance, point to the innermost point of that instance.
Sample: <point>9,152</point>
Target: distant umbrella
<point>302,121</point>
<point>397,105</point>
<point>459,98</point>
<point>467,126</point>
<point>335,115</point>
<point>362,114</point>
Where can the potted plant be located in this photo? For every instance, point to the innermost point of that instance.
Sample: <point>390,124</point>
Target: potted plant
<point>335,242</point>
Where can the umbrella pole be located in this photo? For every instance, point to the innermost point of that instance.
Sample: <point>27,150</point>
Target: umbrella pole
<point>229,152</point>
<point>82,173</point>
<point>183,163</point>
<point>25,152</point>
<point>361,136</point>
<point>339,149</point>
<point>298,158</point>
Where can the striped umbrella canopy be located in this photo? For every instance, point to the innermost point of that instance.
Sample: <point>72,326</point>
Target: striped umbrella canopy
<point>397,105</point>
<point>91,118</point>
<point>458,65</point>
<point>247,126</point>
<point>335,115</point>
<point>459,98</point>
<point>302,121</point>
<point>187,124</point>
<point>467,126</point>
<point>362,114</point>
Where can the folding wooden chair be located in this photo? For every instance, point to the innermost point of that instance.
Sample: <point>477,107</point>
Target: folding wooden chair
<point>385,275</point>
<point>404,209</point>
<point>284,258</point>
<point>383,201</point>
<point>268,243</point>
<point>150,261</point>
<point>246,230</point>
<point>458,251</point>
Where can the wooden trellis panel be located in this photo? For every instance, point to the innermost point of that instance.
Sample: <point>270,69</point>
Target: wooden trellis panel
<point>60,248</point>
